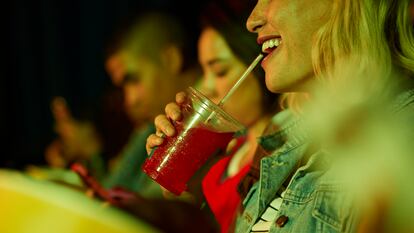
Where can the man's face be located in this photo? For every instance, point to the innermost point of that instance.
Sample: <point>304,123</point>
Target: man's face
<point>143,84</point>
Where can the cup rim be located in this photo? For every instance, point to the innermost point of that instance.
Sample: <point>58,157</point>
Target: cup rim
<point>208,103</point>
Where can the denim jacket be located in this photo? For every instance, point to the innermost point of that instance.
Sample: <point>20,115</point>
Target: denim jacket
<point>313,201</point>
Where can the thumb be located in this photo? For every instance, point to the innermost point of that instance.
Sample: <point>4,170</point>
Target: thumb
<point>60,110</point>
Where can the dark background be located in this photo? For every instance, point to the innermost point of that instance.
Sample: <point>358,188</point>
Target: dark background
<point>56,47</point>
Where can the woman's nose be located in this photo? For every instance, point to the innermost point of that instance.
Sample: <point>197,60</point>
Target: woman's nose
<point>257,18</point>
<point>209,87</point>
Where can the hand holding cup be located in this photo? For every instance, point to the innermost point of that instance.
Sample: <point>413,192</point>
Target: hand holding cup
<point>163,123</point>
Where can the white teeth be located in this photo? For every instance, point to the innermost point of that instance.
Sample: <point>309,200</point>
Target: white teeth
<point>271,43</point>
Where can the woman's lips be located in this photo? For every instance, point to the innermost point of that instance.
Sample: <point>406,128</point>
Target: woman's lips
<point>269,45</point>
<point>267,57</point>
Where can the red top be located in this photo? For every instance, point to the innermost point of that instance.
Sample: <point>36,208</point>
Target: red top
<point>221,194</point>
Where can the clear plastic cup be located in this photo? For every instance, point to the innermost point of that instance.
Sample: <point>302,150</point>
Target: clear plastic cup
<point>204,130</point>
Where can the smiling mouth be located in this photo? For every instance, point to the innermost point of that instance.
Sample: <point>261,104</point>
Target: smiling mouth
<point>270,45</point>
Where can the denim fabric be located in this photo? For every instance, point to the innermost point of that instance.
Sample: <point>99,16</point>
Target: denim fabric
<point>313,201</point>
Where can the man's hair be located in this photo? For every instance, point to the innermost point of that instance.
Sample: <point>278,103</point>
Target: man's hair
<point>151,32</point>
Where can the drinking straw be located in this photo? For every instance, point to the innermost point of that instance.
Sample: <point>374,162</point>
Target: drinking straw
<point>222,101</point>
<point>241,79</point>
<point>237,84</point>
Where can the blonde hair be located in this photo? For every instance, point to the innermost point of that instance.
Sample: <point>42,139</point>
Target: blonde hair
<point>366,33</point>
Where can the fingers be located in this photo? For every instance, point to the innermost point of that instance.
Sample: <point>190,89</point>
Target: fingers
<point>164,125</point>
<point>60,109</point>
<point>173,111</point>
<point>64,123</point>
<point>54,156</point>
<point>185,196</point>
<point>167,194</point>
<point>180,97</point>
<point>152,141</point>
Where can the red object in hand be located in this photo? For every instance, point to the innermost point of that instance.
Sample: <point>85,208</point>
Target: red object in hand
<point>176,161</point>
<point>90,181</point>
<point>115,196</point>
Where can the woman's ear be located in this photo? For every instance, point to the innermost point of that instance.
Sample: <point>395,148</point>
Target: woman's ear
<point>172,59</point>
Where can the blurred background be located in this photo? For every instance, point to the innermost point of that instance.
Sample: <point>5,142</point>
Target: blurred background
<point>56,48</point>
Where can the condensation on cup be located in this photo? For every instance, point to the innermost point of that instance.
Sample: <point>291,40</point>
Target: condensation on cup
<point>204,131</point>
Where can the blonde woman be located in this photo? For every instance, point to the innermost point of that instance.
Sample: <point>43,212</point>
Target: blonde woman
<point>315,39</point>
<point>307,45</point>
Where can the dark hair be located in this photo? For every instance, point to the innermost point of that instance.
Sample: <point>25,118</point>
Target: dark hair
<point>228,18</point>
<point>149,30</point>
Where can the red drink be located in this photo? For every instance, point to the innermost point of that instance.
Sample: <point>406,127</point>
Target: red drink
<point>204,130</point>
<point>174,162</point>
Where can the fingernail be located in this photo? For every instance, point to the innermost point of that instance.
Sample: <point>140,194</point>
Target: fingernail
<point>176,115</point>
<point>170,131</point>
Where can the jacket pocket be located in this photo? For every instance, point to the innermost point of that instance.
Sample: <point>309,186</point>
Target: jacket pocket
<point>332,207</point>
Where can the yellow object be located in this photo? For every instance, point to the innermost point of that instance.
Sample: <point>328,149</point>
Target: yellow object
<point>29,205</point>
